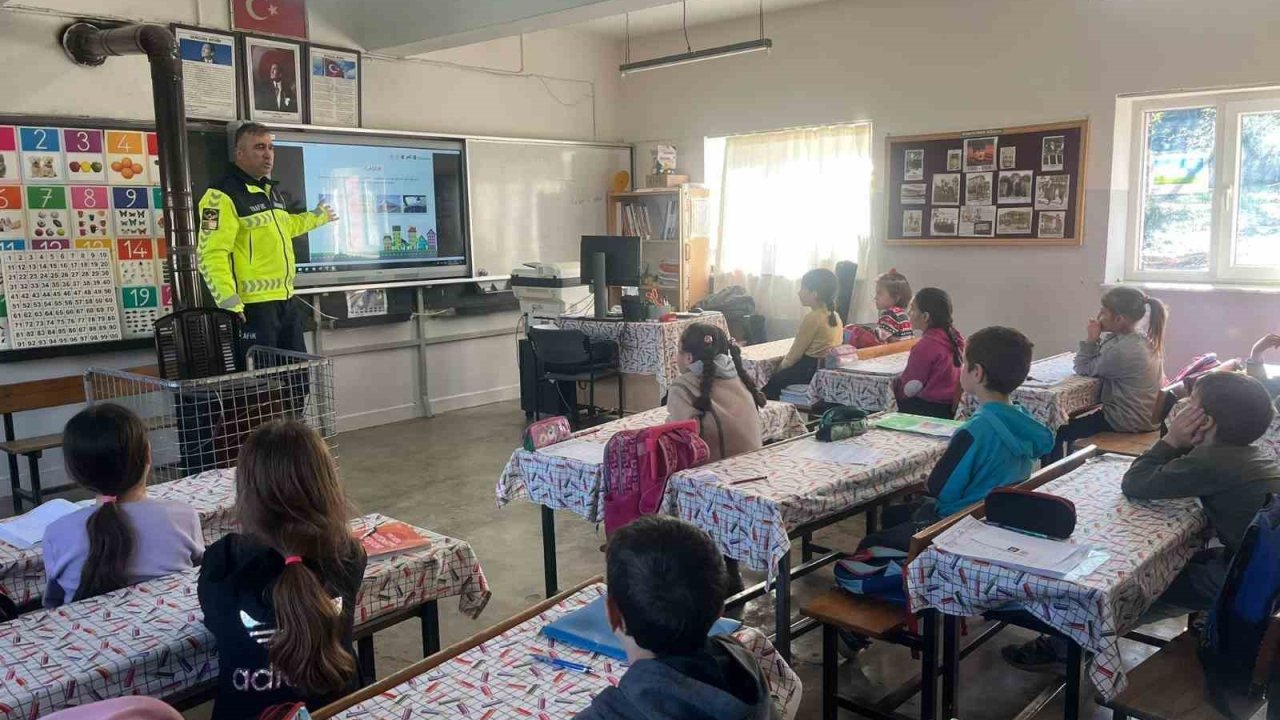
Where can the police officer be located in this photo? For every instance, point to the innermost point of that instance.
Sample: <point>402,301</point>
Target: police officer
<point>246,244</point>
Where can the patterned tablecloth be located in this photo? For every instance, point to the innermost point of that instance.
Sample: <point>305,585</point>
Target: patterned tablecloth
<point>497,680</point>
<point>752,520</point>
<point>762,361</point>
<point>1052,405</point>
<point>867,384</point>
<point>149,639</point>
<point>578,486</point>
<point>1271,440</point>
<point>211,493</point>
<point>645,348</point>
<point>1147,544</point>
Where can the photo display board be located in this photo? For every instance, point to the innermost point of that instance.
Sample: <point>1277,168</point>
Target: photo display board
<point>82,244</point>
<point>1007,186</point>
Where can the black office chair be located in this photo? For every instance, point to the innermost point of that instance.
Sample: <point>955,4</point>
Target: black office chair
<point>568,356</point>
<point>846,273</point>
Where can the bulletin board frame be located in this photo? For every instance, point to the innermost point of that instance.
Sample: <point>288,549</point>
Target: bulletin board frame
<point>1061,150</point>
<point>63,123</point>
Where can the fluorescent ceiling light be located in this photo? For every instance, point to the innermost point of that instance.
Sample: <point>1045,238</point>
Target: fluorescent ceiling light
<point>694,56</point>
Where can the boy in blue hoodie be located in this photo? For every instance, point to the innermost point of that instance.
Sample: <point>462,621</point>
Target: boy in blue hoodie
<point>997,446</point>
<point>667,586</point>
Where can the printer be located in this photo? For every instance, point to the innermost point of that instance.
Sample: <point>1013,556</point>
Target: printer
<point>548,290</point>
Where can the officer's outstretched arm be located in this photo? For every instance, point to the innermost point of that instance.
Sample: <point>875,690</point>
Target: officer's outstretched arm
<point>305,222</point>
<point>219,225</point>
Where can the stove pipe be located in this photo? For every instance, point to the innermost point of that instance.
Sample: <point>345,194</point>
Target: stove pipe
<point>89,45</point>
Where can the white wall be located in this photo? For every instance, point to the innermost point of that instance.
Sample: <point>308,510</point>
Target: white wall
<point>554,84</point>
<point>916,66</point>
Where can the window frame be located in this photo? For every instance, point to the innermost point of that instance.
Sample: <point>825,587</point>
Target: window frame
<point>1230,107</point>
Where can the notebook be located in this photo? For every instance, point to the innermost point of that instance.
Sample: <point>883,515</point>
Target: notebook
<point>390,537</point>
<point>587,628</point>
<point>903,422</point>
<point>27,530</point>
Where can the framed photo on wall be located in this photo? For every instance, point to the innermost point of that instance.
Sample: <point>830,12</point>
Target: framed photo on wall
<point>334,76</point>
<point>273,80</point>
<point>210,76</point>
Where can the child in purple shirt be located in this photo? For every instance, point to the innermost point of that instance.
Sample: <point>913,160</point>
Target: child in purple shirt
<point>125,538</point>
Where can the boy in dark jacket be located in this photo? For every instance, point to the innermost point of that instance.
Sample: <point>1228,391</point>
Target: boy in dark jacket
<point>1207,454</point>
<point>666,589</point>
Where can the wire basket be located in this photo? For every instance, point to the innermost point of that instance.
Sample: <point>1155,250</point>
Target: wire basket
<point>200,424</point>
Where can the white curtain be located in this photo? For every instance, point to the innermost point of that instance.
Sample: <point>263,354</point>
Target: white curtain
<point>791,201</point>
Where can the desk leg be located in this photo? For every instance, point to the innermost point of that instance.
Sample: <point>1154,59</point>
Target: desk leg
<point>549,550</point>
<point>429,613</point>
<point>950,665</point>
<point>806,547</point>
<point>782,608</point>
<point>367,670</point>
<point>1075,662</point>
<point>872,517</point>
<point>830,672</point>
<point>929,666</point>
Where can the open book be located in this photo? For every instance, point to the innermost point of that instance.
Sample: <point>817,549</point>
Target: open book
<point>27,530</point>
<point>936,427</point>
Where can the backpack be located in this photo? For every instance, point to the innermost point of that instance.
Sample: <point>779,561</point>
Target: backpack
<point>1198,366</point>
<point>873,572</point>
<point>732,300</point>
<point>1243,609</point>
<point>637,464</point>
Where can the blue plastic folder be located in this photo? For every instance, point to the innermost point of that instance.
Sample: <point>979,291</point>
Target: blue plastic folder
<point>588,629</point>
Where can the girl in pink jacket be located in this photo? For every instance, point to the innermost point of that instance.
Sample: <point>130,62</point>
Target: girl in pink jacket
<point>931,383</point>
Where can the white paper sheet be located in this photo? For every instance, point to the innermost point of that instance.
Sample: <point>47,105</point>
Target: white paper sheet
<point>843,453</point>
<point>975,539</point>
<point>577,449</point>
<point>1051,371</point>
<point>27,530</point>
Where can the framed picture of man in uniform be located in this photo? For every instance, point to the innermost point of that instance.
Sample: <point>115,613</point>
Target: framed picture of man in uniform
<point>274,87</point>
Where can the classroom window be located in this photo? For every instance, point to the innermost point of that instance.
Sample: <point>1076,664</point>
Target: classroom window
<point>1206,178</point>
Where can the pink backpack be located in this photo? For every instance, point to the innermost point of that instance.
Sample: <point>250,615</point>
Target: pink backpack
<point>637,464</point>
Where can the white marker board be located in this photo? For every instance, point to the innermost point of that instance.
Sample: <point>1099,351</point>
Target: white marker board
<point>534,201</point>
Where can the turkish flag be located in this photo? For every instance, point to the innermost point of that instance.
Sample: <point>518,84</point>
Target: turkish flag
<point>287,18</point>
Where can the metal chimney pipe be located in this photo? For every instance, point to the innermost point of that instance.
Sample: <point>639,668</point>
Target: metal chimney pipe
<point>90,45</point>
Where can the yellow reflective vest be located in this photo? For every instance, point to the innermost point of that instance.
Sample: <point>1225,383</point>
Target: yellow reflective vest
<point>246,241</point>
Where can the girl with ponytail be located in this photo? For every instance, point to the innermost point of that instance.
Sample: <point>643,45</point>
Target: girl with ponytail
<point>280,596</point>
<point>1129,361</point>
<point>125,538</point>
<point>715,390</point>
<point>819,331</point>
<point>930,385</point>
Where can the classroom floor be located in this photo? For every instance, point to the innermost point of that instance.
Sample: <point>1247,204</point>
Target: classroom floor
<point>440,473</point>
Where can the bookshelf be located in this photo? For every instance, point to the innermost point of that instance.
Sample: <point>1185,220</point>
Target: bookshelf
<point>673,225</point>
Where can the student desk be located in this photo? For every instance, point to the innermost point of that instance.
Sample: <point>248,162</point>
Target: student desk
<point>646,354</point>
<point>865,384</point>
<point>491,676</point>
<point>211,494</point>
<point>762,361</point>
<point>560,483</point>
<point>1147,543</point>
<point>754,504</point>
<point>149,638</point>
<point>1054,404</point>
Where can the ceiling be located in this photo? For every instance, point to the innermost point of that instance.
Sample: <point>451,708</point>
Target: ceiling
<point>667,18</point>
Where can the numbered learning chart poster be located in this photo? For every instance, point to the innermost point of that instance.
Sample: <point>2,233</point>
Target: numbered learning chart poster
<point>136,261</point>
<point>60,298</point>
<point>4,320</point>
<point>131,212</point>
<point>13,221</point>
<point>157,213</point>
<point>10,170</point>
<point>141,305</point>
<point>41,154</point>
<point>90,215</point>
<point>47,217</point>
<point>153,157</point>
<point>126,155</point>
<point>84,156</point>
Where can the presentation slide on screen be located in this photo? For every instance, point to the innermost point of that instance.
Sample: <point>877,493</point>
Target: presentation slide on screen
<point>385,198</point>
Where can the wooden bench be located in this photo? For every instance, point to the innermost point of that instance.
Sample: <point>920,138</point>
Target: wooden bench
<point>890,622</point>
<point>39,395</point>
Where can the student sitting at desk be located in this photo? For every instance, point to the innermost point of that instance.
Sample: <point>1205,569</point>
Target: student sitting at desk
<point>666,589</point>
<point>1258,369</point>
<point>819,331</point>
<point>715,390</point>
<point>893,295</point>
<point>280,596</point>
<point>126,537</point>
<point>930,383</point>
<point>1207,454</point>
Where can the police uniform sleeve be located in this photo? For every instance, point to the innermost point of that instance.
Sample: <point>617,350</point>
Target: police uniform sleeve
<point>219,226</point>
<point>305,222</point>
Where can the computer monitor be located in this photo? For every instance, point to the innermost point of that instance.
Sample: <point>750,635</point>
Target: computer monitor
<point>622,259</point>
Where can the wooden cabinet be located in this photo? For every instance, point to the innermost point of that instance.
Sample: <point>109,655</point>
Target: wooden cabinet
<point>673,225</point>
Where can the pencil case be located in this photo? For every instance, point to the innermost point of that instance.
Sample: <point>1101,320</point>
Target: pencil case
<point>547,432</point>
<point>841,422</point>
<point>1032,512</point>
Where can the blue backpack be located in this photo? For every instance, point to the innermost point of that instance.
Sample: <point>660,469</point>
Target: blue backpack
<point>1243,609</point>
